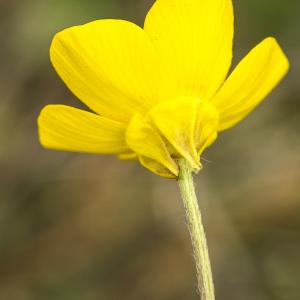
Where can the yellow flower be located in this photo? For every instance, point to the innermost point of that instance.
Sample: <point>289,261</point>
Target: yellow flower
<point>161,92</point>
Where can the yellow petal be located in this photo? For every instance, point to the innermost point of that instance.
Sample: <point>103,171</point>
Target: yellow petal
<point>111,65</point>
<point>251,81</point>
<point>143,139</point>
<point>206,126</point>
<point>194,38</point>
<point>67,128</point>
<point>176,120</point>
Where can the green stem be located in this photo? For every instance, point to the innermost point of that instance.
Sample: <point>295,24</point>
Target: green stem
<point>194,220</point>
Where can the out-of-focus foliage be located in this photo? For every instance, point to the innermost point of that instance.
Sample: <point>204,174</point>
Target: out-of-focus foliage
<point>76,226</point>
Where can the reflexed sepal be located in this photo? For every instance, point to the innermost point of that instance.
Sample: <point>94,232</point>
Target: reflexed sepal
<point>179,128</point>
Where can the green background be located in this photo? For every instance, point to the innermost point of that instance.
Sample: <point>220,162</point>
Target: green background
<point>78,226</point>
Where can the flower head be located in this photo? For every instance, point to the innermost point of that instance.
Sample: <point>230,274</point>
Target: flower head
<point>158,93</point>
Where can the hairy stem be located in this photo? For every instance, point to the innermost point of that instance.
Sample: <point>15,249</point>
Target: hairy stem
<point>194,220</point>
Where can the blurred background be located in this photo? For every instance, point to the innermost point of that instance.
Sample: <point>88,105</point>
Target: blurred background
<point>77,226</point>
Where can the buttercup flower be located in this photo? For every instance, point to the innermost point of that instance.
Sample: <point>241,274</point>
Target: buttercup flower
<point>158,93</point>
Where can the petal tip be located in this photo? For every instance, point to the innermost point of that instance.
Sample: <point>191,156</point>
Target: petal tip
<point>274,44</point>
